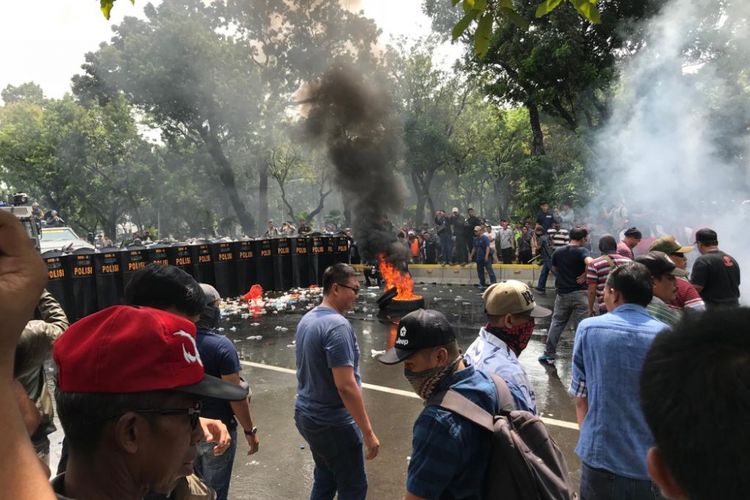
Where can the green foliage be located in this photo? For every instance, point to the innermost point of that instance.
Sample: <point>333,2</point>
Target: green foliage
<point>87,162</point>
<point>484,11</point>
<point>26,92</point>
<point>223,75</point>
<point>106,7</point>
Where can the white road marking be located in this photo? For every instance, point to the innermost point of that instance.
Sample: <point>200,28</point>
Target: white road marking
<point>397,392</point>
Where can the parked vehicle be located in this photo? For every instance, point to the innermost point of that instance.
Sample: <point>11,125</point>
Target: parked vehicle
<point>63,239</point>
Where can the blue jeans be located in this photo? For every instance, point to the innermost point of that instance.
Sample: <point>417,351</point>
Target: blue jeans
<point>216,471</point>
<point>567,305</point>
<point>542,284</point>
<point>481,266</point>
<point>598,484</point>
<point>339,459</point>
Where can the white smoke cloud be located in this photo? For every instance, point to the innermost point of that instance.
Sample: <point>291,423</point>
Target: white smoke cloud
<point>675,150</point>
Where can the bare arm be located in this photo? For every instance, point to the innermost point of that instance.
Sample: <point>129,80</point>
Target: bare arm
<point>592,299</point>
<point>582,408</point>
<point>242,413</point>
<point>351,395</point>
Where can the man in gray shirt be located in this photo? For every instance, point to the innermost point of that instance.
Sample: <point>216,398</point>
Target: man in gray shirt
<point>505,242</point>
<point>329,410</point>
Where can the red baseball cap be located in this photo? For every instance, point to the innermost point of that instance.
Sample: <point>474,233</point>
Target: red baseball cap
<point>126,349</point>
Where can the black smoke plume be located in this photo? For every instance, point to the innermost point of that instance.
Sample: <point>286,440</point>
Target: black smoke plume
<point>356,122</point>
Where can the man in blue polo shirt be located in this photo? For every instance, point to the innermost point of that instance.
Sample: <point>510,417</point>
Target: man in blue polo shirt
<point>329,410</point>
<point>449,454</point>
<point>608,358</point>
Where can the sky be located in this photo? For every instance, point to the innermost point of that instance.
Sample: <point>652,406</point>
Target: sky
<point>45,40</point>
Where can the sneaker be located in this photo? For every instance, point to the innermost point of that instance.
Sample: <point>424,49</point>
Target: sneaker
<point>540,290</point>
<point>547,359</point>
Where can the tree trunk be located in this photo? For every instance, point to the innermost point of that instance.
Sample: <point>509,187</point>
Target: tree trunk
<point>537,140</point>
<point>226,176</point>
<point>263,192</point>
<point>321,203</point>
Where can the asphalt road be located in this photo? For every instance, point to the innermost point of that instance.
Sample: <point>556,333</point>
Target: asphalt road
<point>283,467</point>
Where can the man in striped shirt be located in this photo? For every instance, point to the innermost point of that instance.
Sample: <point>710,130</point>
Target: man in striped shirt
<point>558,237</point>
<point>598,270</point>
<point>663,275</point>
<point>686,297</point>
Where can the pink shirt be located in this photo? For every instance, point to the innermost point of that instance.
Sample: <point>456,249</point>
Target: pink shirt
<point>624,250</point>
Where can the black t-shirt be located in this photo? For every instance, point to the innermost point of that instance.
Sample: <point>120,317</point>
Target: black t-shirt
<point>719,275</point>
<point>545,220</point>
<point>471,223</point>
<point>570,262</point>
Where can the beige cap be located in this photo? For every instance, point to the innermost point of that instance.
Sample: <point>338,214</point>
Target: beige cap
<point>669,245</point>
<point>512,297</point>
<point>478,229</point>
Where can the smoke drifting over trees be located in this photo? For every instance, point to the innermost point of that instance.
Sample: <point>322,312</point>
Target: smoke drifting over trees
<point>675,150</point>
<point>356,123</point>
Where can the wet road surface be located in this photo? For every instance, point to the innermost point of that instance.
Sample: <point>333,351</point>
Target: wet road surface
<point>283,467</point>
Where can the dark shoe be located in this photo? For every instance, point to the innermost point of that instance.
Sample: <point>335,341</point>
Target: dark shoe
<point>547,359</point>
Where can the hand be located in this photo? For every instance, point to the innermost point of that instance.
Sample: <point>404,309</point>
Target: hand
<point>581,279</point>
<point>23,276</point>
<point>253,442</point>
<point>372,446</point>
<point>214,431</point>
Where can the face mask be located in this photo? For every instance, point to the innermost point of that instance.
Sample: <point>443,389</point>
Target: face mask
<point>516,337</point>
<point>425,381</point>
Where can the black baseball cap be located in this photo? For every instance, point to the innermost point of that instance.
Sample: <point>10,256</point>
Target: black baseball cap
<point>418,330</point>
<point>706,236</point>
<point>659,263</point>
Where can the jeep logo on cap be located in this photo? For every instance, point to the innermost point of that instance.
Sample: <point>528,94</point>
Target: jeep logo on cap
<point>402,340</point>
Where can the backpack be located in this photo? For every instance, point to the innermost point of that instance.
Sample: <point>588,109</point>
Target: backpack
<point>525,462</point>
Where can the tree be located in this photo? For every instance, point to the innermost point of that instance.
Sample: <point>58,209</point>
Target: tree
<point>89,163</point>
<point>287,162</point>
<point>293,43</point>
<point>191,81</point>
<point>562,65</point>
<point>431,103</point>
<point>27,92</point>
<point>224,74</point>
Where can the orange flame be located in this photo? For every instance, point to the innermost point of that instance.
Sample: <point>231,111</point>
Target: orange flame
<point>396,279</point>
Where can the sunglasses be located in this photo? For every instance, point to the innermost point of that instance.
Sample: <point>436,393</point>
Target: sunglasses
<point>353,289</point>
<point>194,413</point>
<point>678,254</point>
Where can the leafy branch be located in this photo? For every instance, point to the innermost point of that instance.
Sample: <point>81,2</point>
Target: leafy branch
<point>485,11</point>
<point>106,6</point>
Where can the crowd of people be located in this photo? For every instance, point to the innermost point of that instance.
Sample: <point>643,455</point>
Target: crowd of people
<point>660,398</point>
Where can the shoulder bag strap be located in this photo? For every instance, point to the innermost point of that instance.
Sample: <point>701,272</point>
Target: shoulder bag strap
<point>453,401</point>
